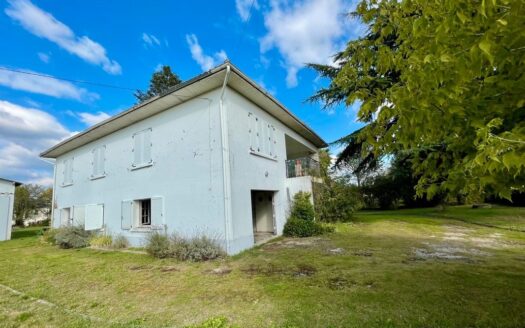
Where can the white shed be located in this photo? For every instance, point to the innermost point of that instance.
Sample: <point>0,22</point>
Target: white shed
<point>7,198</point>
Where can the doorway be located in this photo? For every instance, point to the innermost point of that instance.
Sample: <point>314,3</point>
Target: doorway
<point>263,215</point>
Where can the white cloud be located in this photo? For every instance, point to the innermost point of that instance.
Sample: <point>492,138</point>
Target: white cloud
<point>44,85</point>
<point>306,32</point>
<point>244,7</point>
<point>24,133</point>
<point>206,62</point>
<point>92,119</point>
<point>43,57</point>
<point>44,25</point>
<point>150,39</point>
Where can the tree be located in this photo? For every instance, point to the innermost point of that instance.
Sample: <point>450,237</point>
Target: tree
<point>160,82</point>
<point>29,199</point>
<point>441,82</point>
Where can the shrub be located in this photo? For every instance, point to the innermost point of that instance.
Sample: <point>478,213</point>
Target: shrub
<point>195,249</point>
<point>295,227</point>
<point>72,237</point>
<point>336,200</point>
<point>158,245</point>
<point>119,241</point>
<point>48,236</point>
<point>102,241</point>
<point>302,208</point>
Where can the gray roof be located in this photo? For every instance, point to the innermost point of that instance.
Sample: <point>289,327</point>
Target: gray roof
<point>180,93</point>
<point>16,183</point>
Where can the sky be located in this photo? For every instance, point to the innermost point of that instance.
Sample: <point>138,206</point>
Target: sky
<point>117,45</point>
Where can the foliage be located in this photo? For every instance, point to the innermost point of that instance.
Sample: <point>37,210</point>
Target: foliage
<point>444,83</point>
<point>102,241</point>
<point>161,81</point>
<point>216,322</point>
<point>119,241</point>
<point>302,207</point>
<point>158,245</point>
<point>29,199</point>
<point>49,236</point>
<point>194,249</point>
<point>72,237</point>
<point>295,227</point>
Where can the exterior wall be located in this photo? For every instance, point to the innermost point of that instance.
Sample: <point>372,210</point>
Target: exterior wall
<point>186,172</point>
<point>7,197</point>
<point>253,172</point>
<point>294,185</point>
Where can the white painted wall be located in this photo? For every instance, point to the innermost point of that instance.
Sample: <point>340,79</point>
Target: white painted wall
<point>7,197</point>
<point>252,172</point>
<point>187,172</point>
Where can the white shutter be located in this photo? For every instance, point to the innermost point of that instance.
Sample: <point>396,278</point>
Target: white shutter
<point>79,215</point>
<point>251,131</point>
<point>146,144</point>
<point>126,215</point>
<point>157,213</point>
<point>272,141</point>
<point>94,217</point>
<point>64,216</point>
<point>259,137</point>
<point>101,158</point>
<point>137,149</point>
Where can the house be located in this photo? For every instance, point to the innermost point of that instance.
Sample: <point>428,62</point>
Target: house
<point>215,155</point>
<point>7,198</point>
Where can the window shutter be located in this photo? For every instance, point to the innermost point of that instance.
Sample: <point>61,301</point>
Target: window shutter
<point>101,160</point>
<point>79,215</point>
<point>94,219</point>
<point>157,213</point>
<point>146,143</point>
<point>251,131</point>
<point>259,137</point>
<point>272,141</point>
<point>127,215</point>
<point>137,149</point>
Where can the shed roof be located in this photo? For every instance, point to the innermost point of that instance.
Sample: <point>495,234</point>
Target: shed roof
<point>185,91</point>
<point>16,183</point>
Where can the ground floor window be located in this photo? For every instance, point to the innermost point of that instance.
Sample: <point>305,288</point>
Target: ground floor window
<point>145,212</point>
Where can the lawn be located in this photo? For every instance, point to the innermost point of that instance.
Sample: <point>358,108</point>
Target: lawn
<point>459,267</point>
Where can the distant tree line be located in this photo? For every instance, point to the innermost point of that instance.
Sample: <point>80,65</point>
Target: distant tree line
<point>30,200</point>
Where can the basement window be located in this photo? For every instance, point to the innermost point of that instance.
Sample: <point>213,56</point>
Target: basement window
<point>145,212</point>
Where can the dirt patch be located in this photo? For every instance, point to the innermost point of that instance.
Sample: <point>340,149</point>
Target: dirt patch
<point>222,271</point>
<point>363,252</point>
<point>169,268</point>
<point>446,251</point>
<point>290,243</point>
<point>304,270</point>
<point>340,283</point>
<point>266,269</point>
<point>139,267</point>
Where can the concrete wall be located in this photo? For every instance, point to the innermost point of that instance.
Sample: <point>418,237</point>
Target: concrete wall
<point>7,197</point>
<point>252,172</point>
<point>186,172</point>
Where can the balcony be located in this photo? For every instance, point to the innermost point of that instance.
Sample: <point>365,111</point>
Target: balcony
<point>301,167</point>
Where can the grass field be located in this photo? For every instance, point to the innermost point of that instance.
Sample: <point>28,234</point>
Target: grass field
<point>459,267</point>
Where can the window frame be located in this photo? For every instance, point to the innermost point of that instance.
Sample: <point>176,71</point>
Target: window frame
<point>67,173</point>
<point>143,163</point>
<point>101,150</point>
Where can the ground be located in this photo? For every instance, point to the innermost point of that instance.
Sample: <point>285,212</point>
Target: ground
<point>457,267</point>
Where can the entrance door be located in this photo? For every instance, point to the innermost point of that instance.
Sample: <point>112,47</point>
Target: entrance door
<point>262,209</point>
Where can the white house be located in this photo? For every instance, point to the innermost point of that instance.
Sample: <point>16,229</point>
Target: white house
<point>7,198</point>
<point>216,155</point>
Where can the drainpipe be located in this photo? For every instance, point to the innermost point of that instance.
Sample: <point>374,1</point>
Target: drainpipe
<point>226,162</point>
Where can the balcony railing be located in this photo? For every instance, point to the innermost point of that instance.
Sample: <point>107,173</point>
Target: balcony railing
<point>300,167</point>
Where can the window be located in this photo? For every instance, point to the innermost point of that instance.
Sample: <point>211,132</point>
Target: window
<point>98,162</point>
<point>262,137</point>
<point>145,212</point>
<point>68,172</point>
<point>142,149</point>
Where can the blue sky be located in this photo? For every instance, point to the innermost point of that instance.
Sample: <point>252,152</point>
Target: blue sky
<point>121,43</point>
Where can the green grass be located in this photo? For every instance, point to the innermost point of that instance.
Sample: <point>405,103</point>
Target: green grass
<point>378,279</point>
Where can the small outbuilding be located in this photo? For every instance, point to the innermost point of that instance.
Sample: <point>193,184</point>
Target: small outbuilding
<point>7,198</point>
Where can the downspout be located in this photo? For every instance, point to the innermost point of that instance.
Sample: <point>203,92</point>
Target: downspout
<point>225,146</point>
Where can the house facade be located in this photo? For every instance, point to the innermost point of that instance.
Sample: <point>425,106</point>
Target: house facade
<point>7,198</point>
<point>215,155</point>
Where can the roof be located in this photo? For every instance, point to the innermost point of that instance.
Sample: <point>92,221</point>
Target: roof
<point>16,183</point>
<point>185,91</point>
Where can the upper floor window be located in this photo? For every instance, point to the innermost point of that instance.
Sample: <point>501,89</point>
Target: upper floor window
<point>68,172</point>
<point>98,162</point>
<point>142,148</point>
<point>262,136</point>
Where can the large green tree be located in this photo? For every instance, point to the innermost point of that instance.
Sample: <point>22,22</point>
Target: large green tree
<point>441,81</point>
<point>160,82</point>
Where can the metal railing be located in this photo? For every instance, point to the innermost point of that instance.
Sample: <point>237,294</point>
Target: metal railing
<point>300,167</point>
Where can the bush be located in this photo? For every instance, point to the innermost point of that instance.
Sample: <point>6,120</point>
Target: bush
<point>158,245</point>
<point>295,227</point>
<point>336,200</point>
<point>102,241</point>
<point>120,242</point>
<point>72,237</point>
<point>195,249</point>
<point>49,236</point>
<point>302,208</point>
